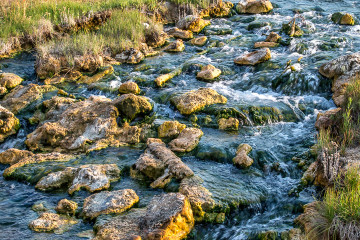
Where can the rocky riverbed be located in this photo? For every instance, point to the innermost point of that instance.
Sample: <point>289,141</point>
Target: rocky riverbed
<point>208,139</point>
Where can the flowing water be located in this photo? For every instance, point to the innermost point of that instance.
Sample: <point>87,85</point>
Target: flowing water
<point>261,193</point>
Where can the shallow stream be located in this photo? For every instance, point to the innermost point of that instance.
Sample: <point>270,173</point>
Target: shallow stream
<point>261,192</point>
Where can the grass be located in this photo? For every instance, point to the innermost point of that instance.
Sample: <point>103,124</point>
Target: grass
<point>337,216</point>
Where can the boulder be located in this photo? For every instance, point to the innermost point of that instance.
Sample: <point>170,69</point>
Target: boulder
<point>182,34</point>
<point>129,87</point>
<point>155,38</point>
<point>265,45</point>
<point>122,227</point>
<point>343,18</point>
<point>130,105</point>
<point>161,164</point>
<point>176,46</point>
<point>196,100</point>
<point>22,96</point>
<point>168,216</point>
<point>199,197</point>
<point>162,79</point>
<point>91,177</point>
<point>208,73</point>
<point>292,29</point>
<point>254,58</point>
<point>327,119</point>
<point>8,81</point>
<point>21,157</point>
<point>170,129</point>
<point>273,37</point>
<point>50,222</point>
<point>343,71</point>
<point>13,155</point>
<point>254,6</point>
<point>187,140</point>
<point>9,124</point>
<point>228,124</point>
<point>109,202</point>
<point>82,126</point>
<point>199,41</point>
<point>66,206</point>
<point>192,23</point>
<point>220,10</point>
<point>242,159</point>
<point>130,56</point>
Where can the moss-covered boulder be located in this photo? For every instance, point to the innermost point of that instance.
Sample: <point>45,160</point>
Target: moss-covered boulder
<point>179,33</point>
<point>254,58</point>
<point>208,73</point>
<point>196,100</point>
<point>231,124</point>
<point>66,207</point>
<point>292,29</point>
<point>176,46</point>
<point>199,41</point>
<point>9,124</point>
<point>273,37</point>
<point>192,23</point>
<point>219,10</point>
<point>343,18</point>
<point>254,6</point>
<point>8,81</point>
<point>130,105</point>
<point>129,87</point>
<point>170,129</point>
<point>109,202</point>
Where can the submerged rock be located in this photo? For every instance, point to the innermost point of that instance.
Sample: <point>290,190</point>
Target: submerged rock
<point>199,41</point>
<point>327,119</point>
<point>228,124</point>
<point>196,100</point>
<point>187,140</point>
<point>8,81</point>
<point>170,129</point>
<point>242,159</point>
<point>161,164</point>
<point>273,37</point>
<point>343,18</point>
<point>131,56</point>
<point>22,96</point>
<point>343,71</point>
<point>254,6</point>
<point>82,126</point>
<point>66,206</point>
<point>177,46</point>
<point>179,33</point>
<point>19,158</point>
<point>254,58</point>
<point>109,202</point>
<point>50,222</point>
<point>208,73</point>
<point>91,177</point>
<point>129,87</point>
<point>130,105</point>
<point>168,216</point>
<point>192,23</point>
<point>9,124</point>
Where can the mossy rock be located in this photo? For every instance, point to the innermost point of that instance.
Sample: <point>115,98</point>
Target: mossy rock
<point>286,28</point>
<point>343,18</point>
<point>217,31</point>
<point>257,25</point>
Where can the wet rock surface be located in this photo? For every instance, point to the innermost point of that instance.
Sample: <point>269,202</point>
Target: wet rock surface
<point>109,202</point>
<point>208,73</point>
<point>187,140</point>
<point>66,206</point>
<point>342,70</point>
<point>9,124</point>
<point>50,222</point>
<point>176,46</point>
<point>8,81</point>
<point>242,159</point>
<point>170,129</point>
<point>130,105</point>
<point>160,164</point>
<point>254,58</point>
<point>194,101</point>
<point>129,87</point>
<point>90,177</point>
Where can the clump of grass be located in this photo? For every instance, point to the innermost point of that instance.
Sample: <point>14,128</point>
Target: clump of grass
<point>337,216</point>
